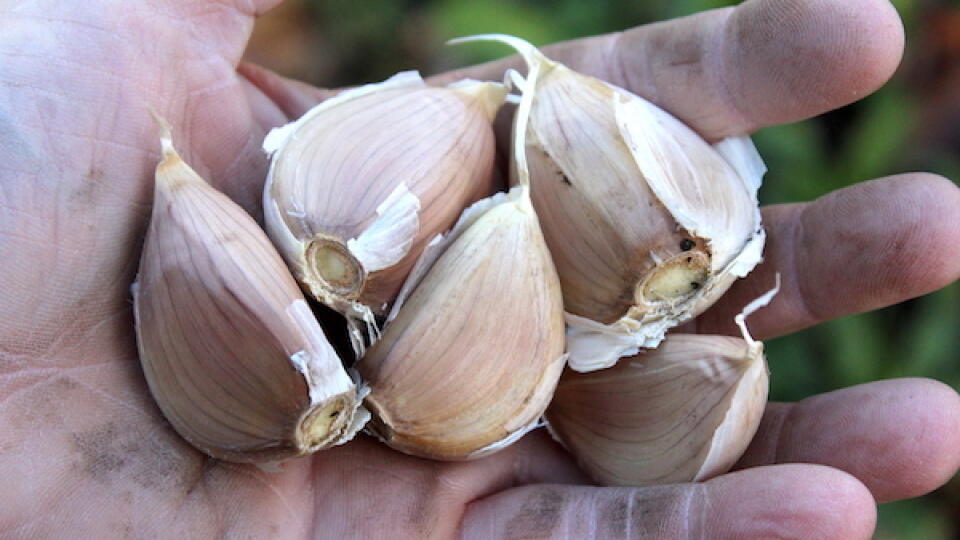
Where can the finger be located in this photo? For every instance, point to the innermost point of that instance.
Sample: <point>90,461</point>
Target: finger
<point>857,249</point>
<point>901,438</point>
<point>732,71</point>
<point>292,97</point>
<point>381,493</point>
<point>785,501</point>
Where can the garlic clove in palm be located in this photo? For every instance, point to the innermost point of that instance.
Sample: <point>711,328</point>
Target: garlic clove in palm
<point>681,413</point>
<point>469,361</point>
<point>230,349</point>
<point>364,180</point>
<point>648,224</point>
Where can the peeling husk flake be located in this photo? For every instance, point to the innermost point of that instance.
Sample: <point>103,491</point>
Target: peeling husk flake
<point>472,357</point>
<point>683,412</point>
<point>230,350</point>
<point>363,181</point>
<point>647,223</point>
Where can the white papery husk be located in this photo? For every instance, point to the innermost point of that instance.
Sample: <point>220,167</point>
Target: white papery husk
<point>648,223</point>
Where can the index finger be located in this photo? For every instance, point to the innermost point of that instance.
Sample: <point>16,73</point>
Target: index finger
<point>735,70</point>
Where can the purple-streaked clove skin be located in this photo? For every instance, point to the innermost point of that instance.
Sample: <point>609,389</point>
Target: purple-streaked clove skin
<point>230,349</point>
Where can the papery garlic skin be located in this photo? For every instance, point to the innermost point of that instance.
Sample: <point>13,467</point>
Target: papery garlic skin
<point>683,412</point>
<point>471,358</point>
<point>648,224</point>
<point>230,349</point>
<point>360,184</point>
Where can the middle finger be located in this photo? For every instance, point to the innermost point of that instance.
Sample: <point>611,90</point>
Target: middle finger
<point>858,249</point>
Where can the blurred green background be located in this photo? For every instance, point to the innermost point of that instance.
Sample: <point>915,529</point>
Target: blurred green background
<point>913,123</point>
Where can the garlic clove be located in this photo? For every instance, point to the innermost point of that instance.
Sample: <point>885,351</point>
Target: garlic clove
<point>471,358</point>
<point>230,349</point>
<point>361,183</point>
<point>648,224</point>
<point>683,412</point>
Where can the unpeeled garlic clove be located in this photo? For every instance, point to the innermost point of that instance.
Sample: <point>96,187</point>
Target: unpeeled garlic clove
<point>470,359</point>
<point>684,412</point>
<point>229,347</point>
<point>364,180</point>
<point>648,224</point>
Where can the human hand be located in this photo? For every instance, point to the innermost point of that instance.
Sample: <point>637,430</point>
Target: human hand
<point>85,450</point>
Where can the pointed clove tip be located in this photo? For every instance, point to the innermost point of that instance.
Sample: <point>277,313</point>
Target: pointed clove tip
<point>166,132</point>
<point>488,96</point>
<point>171,171</point>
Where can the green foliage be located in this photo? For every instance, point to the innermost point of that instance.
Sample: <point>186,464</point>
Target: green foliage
<point>914,520</point>
<point>877,139</point>
<point>797,160</point>
<point>456,19</point>
<point>932,349</point>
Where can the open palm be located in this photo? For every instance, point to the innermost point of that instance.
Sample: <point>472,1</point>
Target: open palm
<point>85,452</point>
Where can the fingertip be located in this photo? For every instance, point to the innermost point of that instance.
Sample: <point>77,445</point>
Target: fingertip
<point>930,456</point>
<point>790,501</point>
<point>908,230</point>
<point>814,55</point>
<point>929,240</point>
